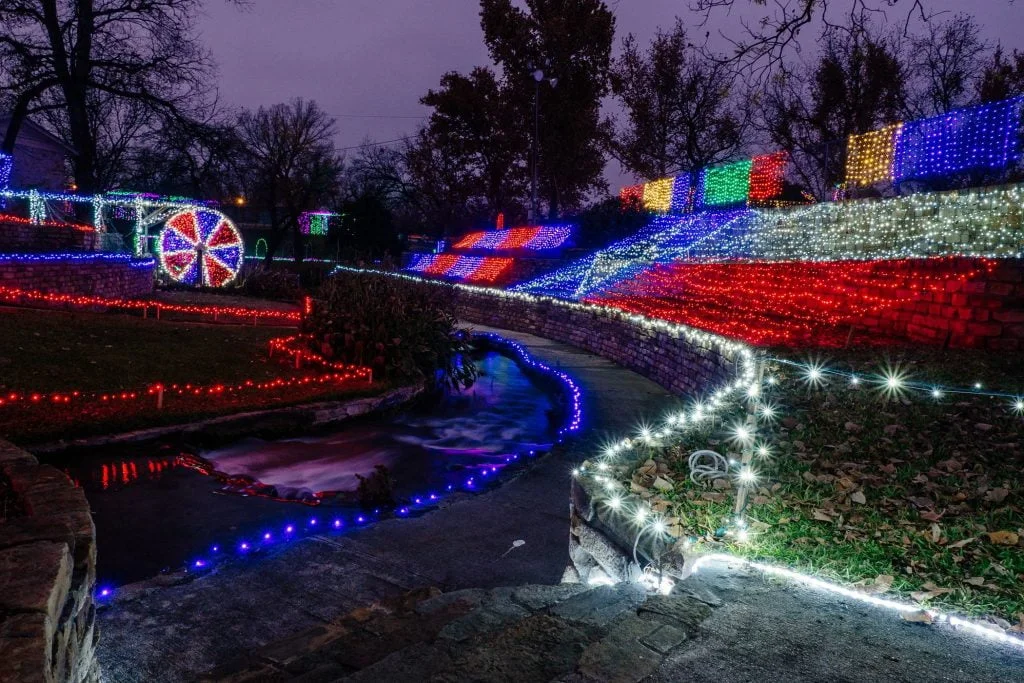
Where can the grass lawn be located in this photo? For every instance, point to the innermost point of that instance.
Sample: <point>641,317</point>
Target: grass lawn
<point>908,495</point>
<point>47,351</point>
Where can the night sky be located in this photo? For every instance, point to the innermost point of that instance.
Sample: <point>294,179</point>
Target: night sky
<point>362,59</point>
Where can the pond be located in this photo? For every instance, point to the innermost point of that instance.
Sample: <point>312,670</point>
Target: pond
<point>161,507</point>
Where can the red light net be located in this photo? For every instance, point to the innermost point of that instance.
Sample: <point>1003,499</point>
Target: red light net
<point>632,197</point>
<point>766,176</point>
<point>790,303</point>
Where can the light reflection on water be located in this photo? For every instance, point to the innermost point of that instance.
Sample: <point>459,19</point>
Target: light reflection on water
<point>502,413</point>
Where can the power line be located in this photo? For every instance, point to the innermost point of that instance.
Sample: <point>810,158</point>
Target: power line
<point>377,144</point>
<point>378,116</point>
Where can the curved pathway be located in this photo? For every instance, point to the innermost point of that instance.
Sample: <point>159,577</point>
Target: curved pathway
<point>172,633</point>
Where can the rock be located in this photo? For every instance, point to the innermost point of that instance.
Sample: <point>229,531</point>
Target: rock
<point>603,551</point>
<point>534,597</point>
<point>600,605</point>
<point>36,578</point>
<point>663,484</point>
<point>622,656</point>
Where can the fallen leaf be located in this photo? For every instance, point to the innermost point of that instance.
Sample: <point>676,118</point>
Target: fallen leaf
<point>1003,537</point>
<point>997,495</point>
<point>922,596</point>
<point>917,617</point>
<point>982,427</point>
<point>961,544</point>
<point>822,516</point>
<point>858,497</point>
<point>936,533</point>
<point>975,580</point>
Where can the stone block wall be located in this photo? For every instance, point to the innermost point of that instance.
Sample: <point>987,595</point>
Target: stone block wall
<point>106,277</point>
<point>21,237</point>
<point>986,311</point>
<point>47,576</point>
<point>683,364</point>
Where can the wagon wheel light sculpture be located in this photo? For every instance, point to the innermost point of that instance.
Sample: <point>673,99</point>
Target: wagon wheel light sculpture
<point>201,246</point>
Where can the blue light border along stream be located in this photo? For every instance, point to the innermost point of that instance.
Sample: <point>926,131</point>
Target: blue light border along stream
<point>326,523</point>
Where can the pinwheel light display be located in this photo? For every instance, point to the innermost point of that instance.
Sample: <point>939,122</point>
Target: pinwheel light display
<point>200,246</point>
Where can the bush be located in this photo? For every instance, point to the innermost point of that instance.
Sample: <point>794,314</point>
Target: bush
<point>260,280</point>
<point>401,329</point>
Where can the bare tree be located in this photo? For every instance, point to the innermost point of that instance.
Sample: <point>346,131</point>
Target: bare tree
<point>289,165</point>
<point>685,109</point>
<point>857,84</point>
<point>773,29</point>
<point>946,59</point>
<point>82,58</point>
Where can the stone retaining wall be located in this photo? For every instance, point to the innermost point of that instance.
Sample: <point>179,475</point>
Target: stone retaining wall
<point>682,363</point>
<point>105,276</point>
<point>47,576</point>
<point>17,236</point>
<point>986,311</point>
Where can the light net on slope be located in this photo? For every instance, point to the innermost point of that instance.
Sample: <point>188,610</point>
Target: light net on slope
<point>784,303</point>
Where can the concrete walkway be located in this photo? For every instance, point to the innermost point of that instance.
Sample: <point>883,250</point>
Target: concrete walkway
<point>173,633</point>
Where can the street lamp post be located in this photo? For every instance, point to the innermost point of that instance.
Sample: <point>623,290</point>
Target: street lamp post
<point>538,76</point>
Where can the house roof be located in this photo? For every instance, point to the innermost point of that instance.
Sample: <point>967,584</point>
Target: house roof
<point>29,125</point>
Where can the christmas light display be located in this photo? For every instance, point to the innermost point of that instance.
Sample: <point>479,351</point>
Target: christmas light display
<point>982,137</point>
<point>726,185</point>
<point>476,269</point>
<point>78,257</point>
<point>7,218</point>
<point>201,247</point>
<point>533,238</point>
<point>6,169</point>
<point>290,347</point>
<point>632,197</point>
<point>766,171</point>
<point>870,156</point>
<point>682,194</point>
<point>985,222</point>
<point>657,197</point>
<point>663,239</point>
<point>315,223</point>
<point>784,303</point>
<point>17,295</point>
<point>326,523</point>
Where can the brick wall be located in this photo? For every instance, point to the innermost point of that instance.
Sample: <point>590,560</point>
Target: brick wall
<point>99,278</point>
<point>47,576</point>
<point>24,237</point>
<point>986,311</point>
<point>683,364</point>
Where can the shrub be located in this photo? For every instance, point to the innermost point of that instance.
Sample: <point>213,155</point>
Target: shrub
<point>401,329</point>
<point>260,280</point>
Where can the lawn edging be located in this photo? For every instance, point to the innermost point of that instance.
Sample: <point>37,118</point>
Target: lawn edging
<point>274,421</point>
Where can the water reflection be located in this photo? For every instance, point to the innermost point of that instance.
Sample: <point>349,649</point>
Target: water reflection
<point>159,508</point>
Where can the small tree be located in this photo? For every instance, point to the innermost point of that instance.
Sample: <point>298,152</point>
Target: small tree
<point>1002,76</point>
<point>289,165</point>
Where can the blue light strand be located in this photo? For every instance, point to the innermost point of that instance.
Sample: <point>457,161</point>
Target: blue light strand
<point>123,259</point>
<point>336,524</point>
